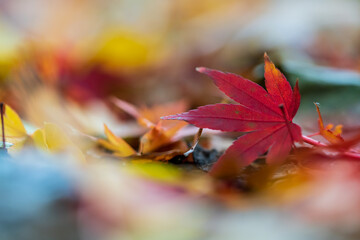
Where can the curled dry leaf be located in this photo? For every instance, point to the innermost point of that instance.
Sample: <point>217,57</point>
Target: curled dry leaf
<point>121,148</point>
<point>333,136</point>
<point>157,137</point>
<point>160,132</point>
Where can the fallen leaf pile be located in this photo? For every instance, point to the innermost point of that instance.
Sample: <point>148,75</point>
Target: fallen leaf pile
<point>128,178</point>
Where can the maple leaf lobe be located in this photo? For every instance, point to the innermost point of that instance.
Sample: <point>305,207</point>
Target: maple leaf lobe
<point>243,91</point>
<point>277,85</point>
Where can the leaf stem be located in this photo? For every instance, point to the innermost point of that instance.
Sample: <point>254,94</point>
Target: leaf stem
<point>282,108</point>
<point>351,155</point>
<point>316,143</point>
<point>313,141</point>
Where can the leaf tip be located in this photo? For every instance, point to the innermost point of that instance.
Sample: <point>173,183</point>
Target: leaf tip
<point>267,59</point>
<point>201,69</point>
<point>174,117</point>
<point>169,117</point>
<point>296,87</point>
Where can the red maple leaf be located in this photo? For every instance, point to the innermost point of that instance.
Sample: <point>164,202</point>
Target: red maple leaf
<point>266,115</point>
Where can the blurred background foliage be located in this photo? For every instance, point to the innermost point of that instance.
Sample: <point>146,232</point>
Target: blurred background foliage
<point>62,60</point>
<point>146,51</point>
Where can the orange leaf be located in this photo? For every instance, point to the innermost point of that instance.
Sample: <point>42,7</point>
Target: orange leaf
<point>161,132</point>
<point>333,137</point>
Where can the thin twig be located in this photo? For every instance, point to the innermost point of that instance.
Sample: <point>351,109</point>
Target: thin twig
<point>195,143</point>
<point>2,112</point>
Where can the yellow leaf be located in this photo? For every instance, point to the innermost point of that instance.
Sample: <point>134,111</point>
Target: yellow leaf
<point>39,139</point>
<point>53,139</point>
<point>116,144</point>
<point>56,139</point>
<point>15,132</point>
